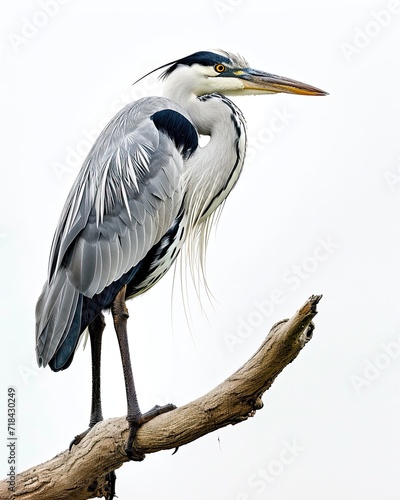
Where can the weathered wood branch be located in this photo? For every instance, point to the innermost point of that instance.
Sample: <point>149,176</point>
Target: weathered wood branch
<point>80,474</point>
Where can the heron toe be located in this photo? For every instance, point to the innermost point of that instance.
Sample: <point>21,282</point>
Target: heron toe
<point>130,450</point>
<point>78,438</point>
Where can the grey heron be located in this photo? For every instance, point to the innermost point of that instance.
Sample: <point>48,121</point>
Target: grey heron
<point>145,189</point>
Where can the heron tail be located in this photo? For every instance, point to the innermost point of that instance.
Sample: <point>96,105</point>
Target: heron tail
<point>58,322</point>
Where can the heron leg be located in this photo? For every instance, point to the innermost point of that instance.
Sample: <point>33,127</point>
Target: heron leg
<point>120,316</point>
<point>134,416</point>
<point>96,329</point>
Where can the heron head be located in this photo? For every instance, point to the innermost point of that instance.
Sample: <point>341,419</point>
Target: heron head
<point>206,72</point>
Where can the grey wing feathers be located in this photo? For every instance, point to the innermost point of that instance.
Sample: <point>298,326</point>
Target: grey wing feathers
<point>125,199</point>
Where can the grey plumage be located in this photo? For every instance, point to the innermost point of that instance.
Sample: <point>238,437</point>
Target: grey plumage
<point>126,196</point>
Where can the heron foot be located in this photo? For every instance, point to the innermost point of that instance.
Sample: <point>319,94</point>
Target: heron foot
<point>134,424</point>
<point>77,439</point>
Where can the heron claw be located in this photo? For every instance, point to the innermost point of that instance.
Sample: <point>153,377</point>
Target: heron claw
<point>78,438</point>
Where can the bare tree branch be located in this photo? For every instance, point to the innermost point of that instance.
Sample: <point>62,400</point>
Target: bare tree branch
<point>80,474</point>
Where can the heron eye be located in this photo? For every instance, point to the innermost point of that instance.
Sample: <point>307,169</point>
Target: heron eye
<point>219,68</point>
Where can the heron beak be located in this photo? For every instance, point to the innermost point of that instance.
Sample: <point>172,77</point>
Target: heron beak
<point>260,82</point>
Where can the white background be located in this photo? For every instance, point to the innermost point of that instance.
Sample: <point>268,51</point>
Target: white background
<point>329,171</point>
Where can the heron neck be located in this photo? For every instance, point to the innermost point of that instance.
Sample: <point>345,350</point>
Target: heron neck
<point>214,169</point>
